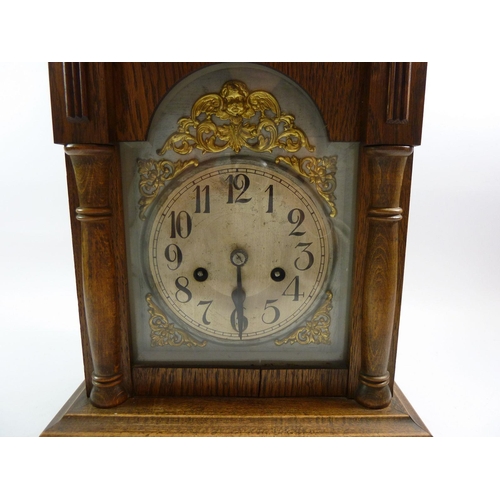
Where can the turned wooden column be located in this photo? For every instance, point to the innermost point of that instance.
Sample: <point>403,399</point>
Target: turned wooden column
<point>386,165</point>
<point>92,165</point>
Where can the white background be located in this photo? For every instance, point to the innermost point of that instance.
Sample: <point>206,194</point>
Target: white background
<point>449,347</point>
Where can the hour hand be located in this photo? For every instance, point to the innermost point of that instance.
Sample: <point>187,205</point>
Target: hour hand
<point>238,320</point>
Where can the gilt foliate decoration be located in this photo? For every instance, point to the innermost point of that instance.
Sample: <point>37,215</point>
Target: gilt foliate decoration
<point>320,172</point>
<point>315,331</point>
<point>153,176</point>
<point>234,119</point>
<point>164,333</point>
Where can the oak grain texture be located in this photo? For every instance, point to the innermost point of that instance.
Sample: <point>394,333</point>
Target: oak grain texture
<point>360,245</point>
<point>404,203</point>
<point>76,235</point>
<point>340,103</point>
<point>386,165</point>
<point>352,97</point>
<point>361,240</point>
<point>326,382</point>
<point>239,382</point>
<point>380,129</point>
<point>118,242</point>
<point>121,276</point>
<point>93,167</point>
<point>217,417</point>
<point>96,129</point>
<point>159,381</point>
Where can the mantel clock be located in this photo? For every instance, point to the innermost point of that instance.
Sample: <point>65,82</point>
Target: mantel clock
<point>239,235</point>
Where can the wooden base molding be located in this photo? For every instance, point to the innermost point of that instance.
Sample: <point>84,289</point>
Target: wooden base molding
<point>184,416</point>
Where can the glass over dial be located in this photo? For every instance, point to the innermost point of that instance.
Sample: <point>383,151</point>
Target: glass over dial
<point>240,252</point>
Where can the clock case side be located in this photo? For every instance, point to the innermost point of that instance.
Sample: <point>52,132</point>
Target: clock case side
<point>373,103</point>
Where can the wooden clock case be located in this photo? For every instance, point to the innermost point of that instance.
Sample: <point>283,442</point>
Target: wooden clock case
<point>95,107</point>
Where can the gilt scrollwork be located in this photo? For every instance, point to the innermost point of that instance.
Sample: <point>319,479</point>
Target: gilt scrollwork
<point>153,176</point>
<point>234,119</point>
<point>315,331</point>
<point>164,333</point>
<point>318,171</point>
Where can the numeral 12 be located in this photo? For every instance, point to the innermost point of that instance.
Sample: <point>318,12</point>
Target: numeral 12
<point>241,183</point>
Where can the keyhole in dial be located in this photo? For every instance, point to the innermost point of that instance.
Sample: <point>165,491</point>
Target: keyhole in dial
<point>277,274</point>
<point>200,274</point>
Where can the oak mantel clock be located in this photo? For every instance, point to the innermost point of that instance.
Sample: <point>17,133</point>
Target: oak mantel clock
<point>239,234</point>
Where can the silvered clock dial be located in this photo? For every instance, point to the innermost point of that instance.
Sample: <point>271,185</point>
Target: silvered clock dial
<point>239,252</point>
<point>238,218</point>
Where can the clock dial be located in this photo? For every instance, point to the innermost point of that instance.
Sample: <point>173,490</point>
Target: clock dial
<point>239,252</point>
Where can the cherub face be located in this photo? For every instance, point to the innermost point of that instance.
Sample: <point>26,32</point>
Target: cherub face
<point>235,98</point>
<point>235,106</point>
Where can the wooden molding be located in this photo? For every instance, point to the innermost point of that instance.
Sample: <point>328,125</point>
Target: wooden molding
<point>394,103</point>
<point>194,416</point>
<point>75,91</point>
<point>398,92</point>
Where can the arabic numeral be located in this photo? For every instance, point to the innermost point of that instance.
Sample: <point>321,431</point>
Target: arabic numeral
<point>276,311</point>
<point>207,303</point>
<point>270,200</point>
<point>180,225</point>
<point>183,294</point>
<point>310,257</point>
<point>206,204</point>
<point>296,216</point>
<point>241,183</point>
<point>295,289</point>
<point>173,254</point>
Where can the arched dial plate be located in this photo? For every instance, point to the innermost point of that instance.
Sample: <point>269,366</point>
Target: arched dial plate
<point>240,252</point>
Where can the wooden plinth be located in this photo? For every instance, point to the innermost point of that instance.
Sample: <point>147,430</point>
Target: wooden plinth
<point>236,417</point>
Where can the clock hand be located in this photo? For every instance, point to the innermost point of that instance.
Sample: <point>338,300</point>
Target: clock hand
<point>238,297</point>
<point>239,258</point>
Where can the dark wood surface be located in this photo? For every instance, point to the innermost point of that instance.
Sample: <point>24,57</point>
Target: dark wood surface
<point>386,166</point>
<point>358,101</point>
<point>157,381</point>
<point>92,168</point>
<point>361,241</point>
<point>395,104</point>
<point>190,416</point>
